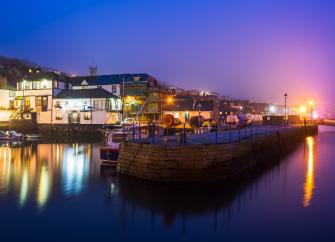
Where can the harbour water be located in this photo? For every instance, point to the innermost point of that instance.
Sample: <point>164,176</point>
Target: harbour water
<point>58,192</point>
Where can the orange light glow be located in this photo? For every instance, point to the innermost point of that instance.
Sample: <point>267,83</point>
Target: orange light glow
<point>309,180</point>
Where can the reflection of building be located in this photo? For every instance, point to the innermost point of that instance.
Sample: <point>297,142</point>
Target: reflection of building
<point>34,173</point>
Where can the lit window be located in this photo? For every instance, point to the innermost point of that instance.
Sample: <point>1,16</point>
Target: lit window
<point>87,115</point>
<point>58,116</point>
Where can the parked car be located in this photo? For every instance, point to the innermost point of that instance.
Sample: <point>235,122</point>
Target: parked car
<point>129,121</point>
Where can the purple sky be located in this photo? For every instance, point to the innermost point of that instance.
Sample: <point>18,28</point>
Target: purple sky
<point>249,49</point>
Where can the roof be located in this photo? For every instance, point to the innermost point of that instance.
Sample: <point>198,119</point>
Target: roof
<point>190,105</point>
<point>109,79</point>
<point>85,93</point>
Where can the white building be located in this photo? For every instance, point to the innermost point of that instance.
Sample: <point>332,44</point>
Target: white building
<point>86,106</point>
<point>35,95</point>
<point>6,104</point>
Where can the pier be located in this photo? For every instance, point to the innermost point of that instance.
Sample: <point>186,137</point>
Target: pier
<point>207,162</point>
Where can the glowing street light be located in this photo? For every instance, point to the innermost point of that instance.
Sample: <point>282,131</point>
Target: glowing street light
<point>302,109</point>
<point>311,103</point>
<point>272,109</point>
<point>170,100</point>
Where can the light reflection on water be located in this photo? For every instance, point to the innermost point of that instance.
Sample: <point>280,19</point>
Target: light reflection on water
<point>309,182</point>
<point>58,184</point>
<point>34,171</point>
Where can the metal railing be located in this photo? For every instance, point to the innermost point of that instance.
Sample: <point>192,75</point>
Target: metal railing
<point>155,134</point>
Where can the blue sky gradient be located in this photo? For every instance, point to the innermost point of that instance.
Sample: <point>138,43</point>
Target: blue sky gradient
<point>255,49</point>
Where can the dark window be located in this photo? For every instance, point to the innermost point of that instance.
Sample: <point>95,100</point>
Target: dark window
<point>44,104</point>
<point>113,88</point>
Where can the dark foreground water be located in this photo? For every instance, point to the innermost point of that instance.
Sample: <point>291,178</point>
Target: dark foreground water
<point>58,193</point>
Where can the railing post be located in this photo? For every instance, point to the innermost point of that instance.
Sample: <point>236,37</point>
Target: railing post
<point>223,135</point>
<point>184,134</point>
<point>216,135</point>
<point>239,135</point>
<point>230,134</point>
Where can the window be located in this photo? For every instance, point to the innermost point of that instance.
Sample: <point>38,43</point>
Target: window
<point>26,85</point>
<point>113,88</point>
<point>109,105</point>
<point>55,84</point>
<point>95,104</point>
<point>19,86</point>
<point>35,85</point>
<point>44,104</point>
<point>58,104</point>
<point>38,103</point>
<point>11,104</point>
<point>11,93</point>
<point>87,115</point>
<point>59,116</point>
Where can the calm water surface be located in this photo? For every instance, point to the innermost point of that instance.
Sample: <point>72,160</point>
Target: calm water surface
<point>59,193</point>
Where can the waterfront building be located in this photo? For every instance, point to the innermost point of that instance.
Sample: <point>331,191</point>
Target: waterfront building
<point>140,93</point>
<point>34,96</point>
<point>185,107</point>
<point>86,106</point>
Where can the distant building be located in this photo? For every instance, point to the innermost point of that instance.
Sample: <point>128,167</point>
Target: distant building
<point>185,108</point>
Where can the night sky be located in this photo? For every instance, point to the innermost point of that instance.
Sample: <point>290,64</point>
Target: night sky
<point>257,49</point>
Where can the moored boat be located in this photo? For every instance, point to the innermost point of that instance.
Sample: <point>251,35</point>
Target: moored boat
<point>109,155</point>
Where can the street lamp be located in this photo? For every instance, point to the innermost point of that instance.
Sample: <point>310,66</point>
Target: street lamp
<point>285,97</point>
<point>199,107</point>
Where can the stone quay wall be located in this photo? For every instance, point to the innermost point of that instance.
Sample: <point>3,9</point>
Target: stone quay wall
<point>204,163</point>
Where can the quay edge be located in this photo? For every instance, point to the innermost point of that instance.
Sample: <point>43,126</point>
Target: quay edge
<point>206,163</point>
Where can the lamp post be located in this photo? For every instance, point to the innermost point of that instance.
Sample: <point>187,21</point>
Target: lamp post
<point>199,107</point>
<point>285,97</point>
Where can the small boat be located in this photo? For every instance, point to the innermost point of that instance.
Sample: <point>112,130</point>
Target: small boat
<point>109,155</point>
<point>4,137</point>
<point>10,136</point>
<point>14,136</point>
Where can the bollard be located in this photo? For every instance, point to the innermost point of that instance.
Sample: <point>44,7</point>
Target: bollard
<point>239,135</point>
<point>216,135</point>
<point>230,134</point>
